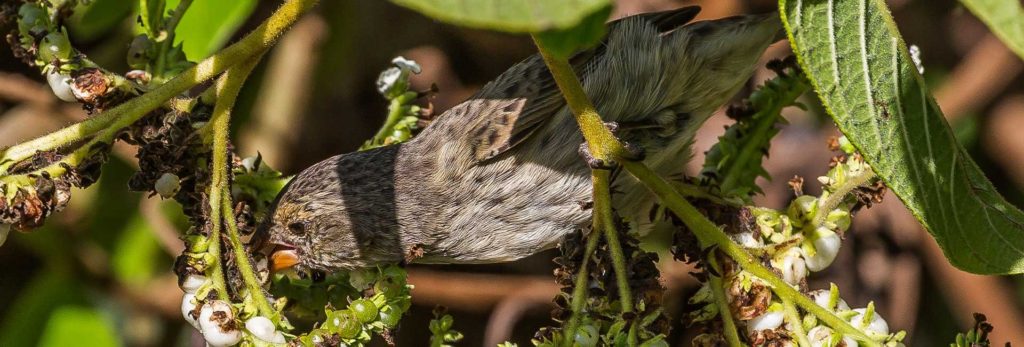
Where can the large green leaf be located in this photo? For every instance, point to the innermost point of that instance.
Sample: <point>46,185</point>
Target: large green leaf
<point>854,55</point>
<point>520,16</point>
<point>208,24</point>
<point>1004,17</point>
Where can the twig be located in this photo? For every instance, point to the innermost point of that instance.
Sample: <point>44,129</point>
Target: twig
<point>127,113</point>
<point>169,27</point>
<point>579,290</point>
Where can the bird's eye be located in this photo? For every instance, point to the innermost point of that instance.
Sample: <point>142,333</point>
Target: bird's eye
<point>297,227</point>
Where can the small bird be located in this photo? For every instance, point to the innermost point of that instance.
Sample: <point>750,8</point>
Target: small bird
<point>498,177</point>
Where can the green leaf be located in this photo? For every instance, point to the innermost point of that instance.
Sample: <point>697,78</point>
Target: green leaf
<point>565,42</point>
<point>518,16</point>
<point>137,253</point>
<point>78,326</point>
<point>151,13</point>
<point>98,18</point>
<point>1004,17</point>
<point>854,56</point>
<point>208,24</point>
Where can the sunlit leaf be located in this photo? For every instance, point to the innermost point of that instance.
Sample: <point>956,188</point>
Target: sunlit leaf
<point>855,57</point>
<point>521,16</point>
<point>208,24</point>
<point>137,253</point>
<point>1004,17</point>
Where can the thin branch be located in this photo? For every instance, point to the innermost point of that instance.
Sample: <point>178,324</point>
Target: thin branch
<point>127,113</point>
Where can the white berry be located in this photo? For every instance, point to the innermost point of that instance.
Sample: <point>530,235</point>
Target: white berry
<point>263,329</point>
<point>767,321</point>
<point>167,185</point>
<point>192,283</point>
<point>216,321</point>
<point>748,239</point>
<point>822,297</point>
<point>188,304</point>
<point>877,325</point>
<point>826,247</point>
<point>61,86</point>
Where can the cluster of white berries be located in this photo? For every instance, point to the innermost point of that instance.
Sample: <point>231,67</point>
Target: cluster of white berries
<point>216,318</point>
<point>864,319</point>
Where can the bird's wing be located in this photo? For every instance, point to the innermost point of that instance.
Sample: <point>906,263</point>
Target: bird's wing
<point>524,98</point>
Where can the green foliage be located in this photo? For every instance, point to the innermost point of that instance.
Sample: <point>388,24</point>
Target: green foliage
<point>977,336</point>
<point>860,67</point>
<point>441,332</point>
<point>519,16</point>
<point>734,162</point>
<point>563,27</point>
<point>1004,17</point>
<point>208,24</point>
<point>78,326</point>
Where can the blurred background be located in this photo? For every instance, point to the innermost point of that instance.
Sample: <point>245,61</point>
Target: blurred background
<point>99,273</point>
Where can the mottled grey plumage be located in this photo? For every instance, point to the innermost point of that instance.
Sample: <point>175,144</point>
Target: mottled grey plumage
<point>498,178</point>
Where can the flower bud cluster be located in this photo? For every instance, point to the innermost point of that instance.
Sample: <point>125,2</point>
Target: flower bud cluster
<point>221,322</point>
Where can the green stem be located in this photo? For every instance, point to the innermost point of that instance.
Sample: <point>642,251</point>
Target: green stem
<point>169,27</point>
<point>729,324</point>
<point>127,113</point>
<point>605,222</point>
<point>796,324</point>
<point>836,197</point>
<point>708,234</point>
<point>396,111</point>
<point>579,289</point>
<point>602,143</point>
<point>252,284</point>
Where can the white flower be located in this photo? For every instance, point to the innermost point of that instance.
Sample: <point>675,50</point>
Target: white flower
<point>61,86</point>
<point>766,321</point>
<point>826,246</point>
<point>387,80</point>
<point>406,64</point>
<point>822,336</point>
<point>263,329</point>
<point>876,325</point>
<point>167,185</point>
<point>215,321</point>
<point>792,265</point>
<point>915,55</point>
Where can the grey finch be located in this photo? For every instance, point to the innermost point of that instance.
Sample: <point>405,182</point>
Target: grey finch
<point>498,177</point>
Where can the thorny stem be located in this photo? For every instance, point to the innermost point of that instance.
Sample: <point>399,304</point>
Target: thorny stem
<point>603,146</point>
<point>795,323</point>
<point>127,113</point>
<point>718,290</point>
<point>169,27</point>
<point>579,289</point>
<point>837,196</point>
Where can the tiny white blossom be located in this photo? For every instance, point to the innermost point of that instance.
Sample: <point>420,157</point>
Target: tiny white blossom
<point>214,320</point>
<point>406,64</point>
<point>915,55</point>
<point>767,321</point>
<point>387,79</point>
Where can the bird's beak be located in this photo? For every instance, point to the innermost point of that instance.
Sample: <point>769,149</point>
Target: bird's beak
<point>283,257</point>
